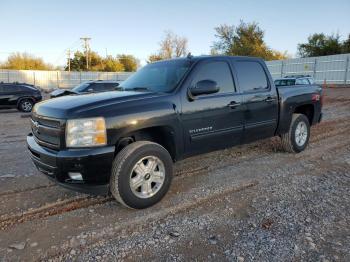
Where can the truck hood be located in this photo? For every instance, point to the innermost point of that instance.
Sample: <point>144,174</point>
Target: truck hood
<point>75,106</point>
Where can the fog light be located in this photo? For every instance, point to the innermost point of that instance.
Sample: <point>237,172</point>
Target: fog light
<point>75,176</point>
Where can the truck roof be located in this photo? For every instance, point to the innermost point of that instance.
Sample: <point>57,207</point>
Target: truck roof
<point>205,57</point>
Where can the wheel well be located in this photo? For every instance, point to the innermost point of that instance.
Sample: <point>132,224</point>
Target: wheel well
<point>307,110</point>
<point>162,135</point>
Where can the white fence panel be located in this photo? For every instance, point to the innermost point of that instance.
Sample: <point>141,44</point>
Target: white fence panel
<point>333,69</point>
<point>49,80</point>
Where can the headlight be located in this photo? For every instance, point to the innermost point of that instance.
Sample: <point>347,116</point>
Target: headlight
<point>86,132</point>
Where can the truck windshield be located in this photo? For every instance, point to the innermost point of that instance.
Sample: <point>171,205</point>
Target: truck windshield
<point>157,77</point>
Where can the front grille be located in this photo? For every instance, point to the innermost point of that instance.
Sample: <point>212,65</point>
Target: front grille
<point>48,132</point>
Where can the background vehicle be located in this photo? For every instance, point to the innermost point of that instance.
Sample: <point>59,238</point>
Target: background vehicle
<point>295,80</point>
<point>87,87</point>
<point>19,95</point>
<point>126,141</point>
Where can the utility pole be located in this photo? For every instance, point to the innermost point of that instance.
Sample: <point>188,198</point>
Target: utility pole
<point>68,55</point>
<point>87,48</point>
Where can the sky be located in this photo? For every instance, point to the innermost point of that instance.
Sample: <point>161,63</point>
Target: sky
<point>48,28</point>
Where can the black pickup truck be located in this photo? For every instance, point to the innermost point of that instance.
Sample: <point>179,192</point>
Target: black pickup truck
<point>125,142</point>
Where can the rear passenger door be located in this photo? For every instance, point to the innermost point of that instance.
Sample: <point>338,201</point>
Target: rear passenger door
<point>212,121</point>
<point>259,98</point>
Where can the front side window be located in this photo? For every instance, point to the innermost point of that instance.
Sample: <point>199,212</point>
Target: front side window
<point>97,87</point>
<point>251,76</point>
<point>217,71</point>
<point>311,81</point>
<point>161,76</point>
<point>81,87</point>
<point>301,81</point>
<point>285,82</point>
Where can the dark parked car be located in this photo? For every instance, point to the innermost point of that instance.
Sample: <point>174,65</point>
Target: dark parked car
<point>126,142</point>
<point>19,95</point>
<point>87,87</point>
<point>295,80</point>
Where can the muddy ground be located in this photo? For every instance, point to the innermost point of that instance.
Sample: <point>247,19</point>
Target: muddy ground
<point>252,202</point>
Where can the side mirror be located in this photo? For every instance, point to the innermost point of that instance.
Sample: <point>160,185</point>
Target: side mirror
<point>204,87</point>
<point>90,90</point>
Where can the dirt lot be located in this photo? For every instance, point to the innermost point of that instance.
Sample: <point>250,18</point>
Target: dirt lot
<point>252,202</point>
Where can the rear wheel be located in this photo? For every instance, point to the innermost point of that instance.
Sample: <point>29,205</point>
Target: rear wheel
<point>141,174</point>
<point>25,105</point>
<point>297,138</point>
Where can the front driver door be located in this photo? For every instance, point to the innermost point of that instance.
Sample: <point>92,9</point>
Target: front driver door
<point>212,121</point>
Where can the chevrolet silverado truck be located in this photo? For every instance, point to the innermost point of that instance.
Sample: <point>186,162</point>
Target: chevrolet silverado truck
<point>125,142</point>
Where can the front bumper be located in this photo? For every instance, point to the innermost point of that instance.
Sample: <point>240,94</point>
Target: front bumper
<point>94,164</point>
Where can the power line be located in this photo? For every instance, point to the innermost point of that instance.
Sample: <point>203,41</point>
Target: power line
<point>68,54</point>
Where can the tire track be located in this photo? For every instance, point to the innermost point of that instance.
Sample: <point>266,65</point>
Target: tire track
<point>73,203</point>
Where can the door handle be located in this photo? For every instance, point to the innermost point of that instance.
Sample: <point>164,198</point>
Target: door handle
<point>270,99</point>
<point>233,104</point>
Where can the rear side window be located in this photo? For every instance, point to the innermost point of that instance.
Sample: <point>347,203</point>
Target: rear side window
<point>251,76</point>
<point>219,72</point>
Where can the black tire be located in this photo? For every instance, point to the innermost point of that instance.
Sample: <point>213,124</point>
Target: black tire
<point>289,140</point>
<point>122,169</point>
<point>25,105</point>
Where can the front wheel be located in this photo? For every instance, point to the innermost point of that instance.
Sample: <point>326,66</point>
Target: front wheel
<point>141,174</point>
<point>298,135</point>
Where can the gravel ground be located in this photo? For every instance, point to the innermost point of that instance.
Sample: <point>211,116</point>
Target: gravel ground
<point>249,203</point>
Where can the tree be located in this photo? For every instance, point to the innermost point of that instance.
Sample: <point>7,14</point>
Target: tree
<point>25,61</point>
<point>154,57</point>
<point>96,63</point>
<point>346,45</point>
<point>320,45</point>
<point>111,64</point>
<point>171,46</point>
<point>247,39</point>
<point>129,62</point>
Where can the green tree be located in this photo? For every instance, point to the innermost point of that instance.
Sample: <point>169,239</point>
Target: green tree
<point>321,45</point>
<point>129,62</point>
<point>96,63</point>
<point>170,46</point>
<point>112,64</point>
<point>25,61</point>
<point>247,39</point>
